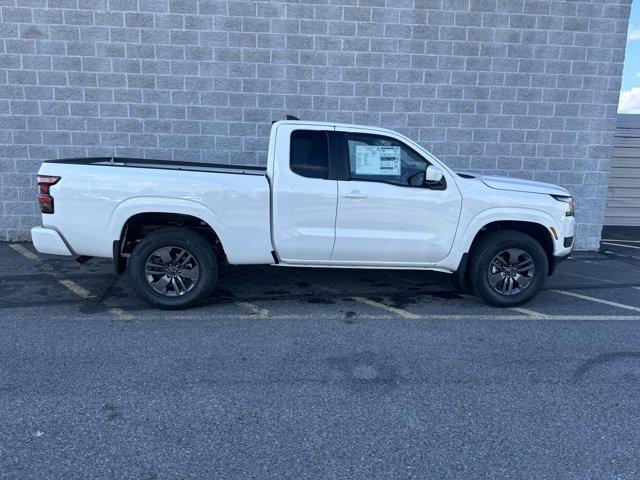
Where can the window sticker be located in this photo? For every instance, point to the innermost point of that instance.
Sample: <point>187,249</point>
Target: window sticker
<point>375,160</point>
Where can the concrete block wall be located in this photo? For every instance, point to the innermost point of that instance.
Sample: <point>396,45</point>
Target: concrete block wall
<point>526,88</point>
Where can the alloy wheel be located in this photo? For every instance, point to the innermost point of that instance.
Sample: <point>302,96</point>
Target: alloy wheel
<point>511,271</point>
<point>172,271</point>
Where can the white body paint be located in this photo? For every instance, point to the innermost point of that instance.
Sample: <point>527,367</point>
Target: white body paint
<point>305,221</point>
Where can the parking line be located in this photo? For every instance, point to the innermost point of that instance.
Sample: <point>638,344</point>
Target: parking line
<point>121,314</point>
<point>587,277</point>
<point>75,288</point>
<point>26,253</point>
<point>255,310</point>
<point>597,300</point>
<point>371,303</point>
<point>531,313</point>
<point>526,311</point>
<point>621,245</point>
<point>591,262</point>
<point>69,284</point>
<point>621,256</point>
<point>397,311</point>
<point>463,317</point>
<point>596,278</point>
<point>619,240</point>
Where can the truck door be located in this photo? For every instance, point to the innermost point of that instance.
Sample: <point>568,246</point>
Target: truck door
<point>304,197</point>
<point>387,212</point>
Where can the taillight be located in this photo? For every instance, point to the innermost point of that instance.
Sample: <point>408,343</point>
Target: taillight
<point>44,196</point>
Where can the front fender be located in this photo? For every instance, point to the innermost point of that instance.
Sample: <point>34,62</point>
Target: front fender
<point>465,236</point>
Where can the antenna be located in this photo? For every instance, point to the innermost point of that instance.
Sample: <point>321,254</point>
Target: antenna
<point>291,117</point>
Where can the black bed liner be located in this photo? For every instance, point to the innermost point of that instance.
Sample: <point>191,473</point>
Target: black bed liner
<point>163,165</point>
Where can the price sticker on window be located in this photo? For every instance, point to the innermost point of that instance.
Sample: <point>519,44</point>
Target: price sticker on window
<point>375,160</point>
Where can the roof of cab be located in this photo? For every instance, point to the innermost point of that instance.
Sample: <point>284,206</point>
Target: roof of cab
<point>333,125</point>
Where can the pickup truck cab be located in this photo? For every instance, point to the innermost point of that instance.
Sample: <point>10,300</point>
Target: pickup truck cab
<point>331,195</point>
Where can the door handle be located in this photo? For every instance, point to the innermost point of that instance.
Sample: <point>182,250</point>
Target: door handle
<point>355,194</point>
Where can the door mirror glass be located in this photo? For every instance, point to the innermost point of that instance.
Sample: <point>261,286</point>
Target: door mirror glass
<point>434,174</point>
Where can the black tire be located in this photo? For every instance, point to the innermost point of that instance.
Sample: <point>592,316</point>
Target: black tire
<point>488,248</point>
<point>181,238</point>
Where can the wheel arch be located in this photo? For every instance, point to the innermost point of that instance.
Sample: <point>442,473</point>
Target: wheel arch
<point>534,229</point>
<point>140,223</point>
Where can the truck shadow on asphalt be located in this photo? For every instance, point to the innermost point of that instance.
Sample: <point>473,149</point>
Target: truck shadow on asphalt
<point>96,288</point>
<point>311,287</point>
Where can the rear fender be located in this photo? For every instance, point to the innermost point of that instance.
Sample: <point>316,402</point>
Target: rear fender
<point>134,206</point>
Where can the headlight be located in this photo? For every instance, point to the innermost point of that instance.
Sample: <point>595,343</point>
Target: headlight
<point>571,206</point>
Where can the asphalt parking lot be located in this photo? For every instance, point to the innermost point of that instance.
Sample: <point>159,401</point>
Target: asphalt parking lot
<point>312,373</point>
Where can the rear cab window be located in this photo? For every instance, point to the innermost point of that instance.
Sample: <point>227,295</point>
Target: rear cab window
<point>309,153</point>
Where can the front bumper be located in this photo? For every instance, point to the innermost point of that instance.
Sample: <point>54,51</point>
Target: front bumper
<point>565,235</point>
<point>564,242</point>
<point>49,241</point>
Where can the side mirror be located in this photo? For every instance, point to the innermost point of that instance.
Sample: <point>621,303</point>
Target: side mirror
<point>434,174</point>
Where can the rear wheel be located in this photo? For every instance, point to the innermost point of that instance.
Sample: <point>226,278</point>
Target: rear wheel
<point>507,268</point>
<point>173,268</point>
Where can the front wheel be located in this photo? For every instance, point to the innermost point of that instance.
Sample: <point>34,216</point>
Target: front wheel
<point>507,268</point>
<point>173,268</point>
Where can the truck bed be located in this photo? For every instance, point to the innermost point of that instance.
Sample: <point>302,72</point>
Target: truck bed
<point>163,165</point>
<point>95,197</point>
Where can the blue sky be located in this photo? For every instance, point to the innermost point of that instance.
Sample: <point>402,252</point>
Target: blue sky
<point>630,95</point>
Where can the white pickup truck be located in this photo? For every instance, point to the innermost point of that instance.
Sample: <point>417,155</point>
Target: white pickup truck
<point>331,195</point>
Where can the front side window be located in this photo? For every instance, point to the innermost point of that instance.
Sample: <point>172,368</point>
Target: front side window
<point>384,159</point>
<point>309,154</point>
